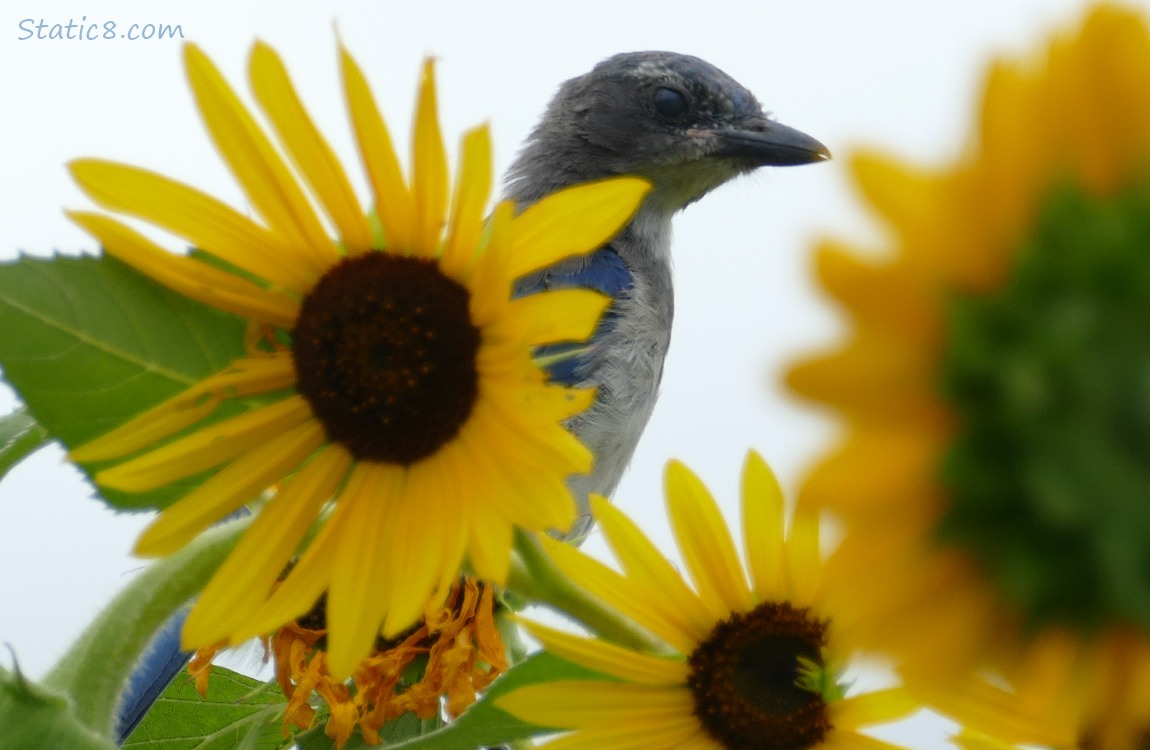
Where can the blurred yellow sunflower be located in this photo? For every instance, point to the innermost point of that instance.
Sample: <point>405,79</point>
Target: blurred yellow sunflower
<point>397,397</point>
<point>744,664</point>
<point>996,461</point>
<point>996,718</point>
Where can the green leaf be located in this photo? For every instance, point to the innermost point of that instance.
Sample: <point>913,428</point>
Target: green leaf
<point>89,343</point>
<point>403,728</point>
<point>20,437</point>
<point>32,718</point>
<point>239,712</point>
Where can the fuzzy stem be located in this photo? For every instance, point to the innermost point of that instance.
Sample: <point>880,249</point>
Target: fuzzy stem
<point>95,669</point>
<point>535,577</point>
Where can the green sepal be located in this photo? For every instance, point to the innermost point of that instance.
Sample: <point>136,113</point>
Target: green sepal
<point>1049,377</point>
<point>33,718</point>
<point>89,343</point>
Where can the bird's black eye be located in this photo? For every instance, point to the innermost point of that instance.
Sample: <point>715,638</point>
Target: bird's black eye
<point>670,103</point>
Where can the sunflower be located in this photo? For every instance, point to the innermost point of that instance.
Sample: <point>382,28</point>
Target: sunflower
<point>994,469</point>
<point>743,664</point>
<point>388,387</point>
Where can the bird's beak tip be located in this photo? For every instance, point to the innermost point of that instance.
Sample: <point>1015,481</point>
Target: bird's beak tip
<point>774,145</point>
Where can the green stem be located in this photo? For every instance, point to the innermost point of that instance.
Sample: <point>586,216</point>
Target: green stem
<point>535,577</point>
<point>94,670</point>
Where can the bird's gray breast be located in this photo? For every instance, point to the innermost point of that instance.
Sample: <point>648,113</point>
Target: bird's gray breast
<point>625,365</point>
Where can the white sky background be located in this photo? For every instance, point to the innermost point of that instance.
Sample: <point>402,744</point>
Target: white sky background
<point>898,74</point>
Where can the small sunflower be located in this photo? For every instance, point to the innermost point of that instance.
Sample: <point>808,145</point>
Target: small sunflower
<point>388,388</point>
<point>746,665</point>
<point>995,467</point>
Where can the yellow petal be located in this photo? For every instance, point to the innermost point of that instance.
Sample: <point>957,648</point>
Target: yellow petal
<point>875,707</point>
<point>308,579</point>
<point>630,600</point>
<point>855,741</point>
<point>268,182</point>
<point>532,408</point>
<point>358,597</point>
<point>152,426</point>
<point>416,551</point>
<point>886,294</point>
<point>243,377</point>
<point>609,659</point>
<point>896,463</point>
<point>892,380</point>
<point>188,276</point>
<point>514,425</point>
<point>490,284</point>
<point>565,315</point>
<point>901,193</point>
<point>763,540</point>
<point>706,544</point>
<point>241,585</point>
<point>804,562</point>
<point>472,191</point>
<point>308,149</point>
<point>991,710</point>
<point>699,741</point>
<point>429,168</point>
<point>453,504</point>
<point>207,447</point>
<point>647,568</point>
<point>532,499</point>
<point>573,221</point>
<point>489,542</point>
<point>671,734</point>
<point>239,482</point>
<point>1048,666</point>
<point>967,740</point>
<point>393,202</point>
<point>197,217</point>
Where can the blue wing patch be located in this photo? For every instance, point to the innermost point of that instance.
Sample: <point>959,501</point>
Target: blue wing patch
<point>604,271</point>
<point>159,666</point>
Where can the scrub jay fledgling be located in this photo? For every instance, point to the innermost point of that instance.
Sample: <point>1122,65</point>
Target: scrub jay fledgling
<point>687,127</point>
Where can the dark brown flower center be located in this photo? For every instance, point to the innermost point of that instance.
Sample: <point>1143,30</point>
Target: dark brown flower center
<point>385,354</point>
<point>744,678</point>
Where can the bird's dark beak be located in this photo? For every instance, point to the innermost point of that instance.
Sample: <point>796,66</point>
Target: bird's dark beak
<point>766,143</point>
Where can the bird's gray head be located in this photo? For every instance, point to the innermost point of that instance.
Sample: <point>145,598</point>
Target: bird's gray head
<point>675,119</point>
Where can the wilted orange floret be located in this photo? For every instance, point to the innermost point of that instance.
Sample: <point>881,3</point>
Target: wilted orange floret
<point>458,635</point>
